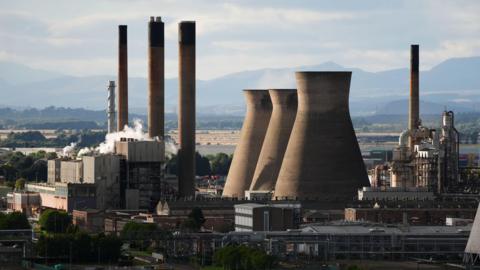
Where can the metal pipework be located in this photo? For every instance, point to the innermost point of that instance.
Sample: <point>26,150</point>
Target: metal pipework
<point>156,77</point>
<point>323,160</point>
<point>252,135</point>
<point>284,110</point>
<point>186,114</point>
<point>111,107</point>
<point>414,107</point>
<point>122,78</point>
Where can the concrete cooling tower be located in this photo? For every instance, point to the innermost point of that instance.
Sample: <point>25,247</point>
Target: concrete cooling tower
<point>284,103</point>
<point>259,109</point>
<point>323,159</point>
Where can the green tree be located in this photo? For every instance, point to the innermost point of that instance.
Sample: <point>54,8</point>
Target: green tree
<point>220,163</point>
<point>202,165</point>
<point>14,221</point>
<point>108,248</point>
<point>195,220</point>
<point>140,234</point>
<point>20,184</point>
<point>54,221</point>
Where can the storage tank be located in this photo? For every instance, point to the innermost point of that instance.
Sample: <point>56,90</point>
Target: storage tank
<point>323,159</point>
<point>284,102</point>
<point>259,110</point>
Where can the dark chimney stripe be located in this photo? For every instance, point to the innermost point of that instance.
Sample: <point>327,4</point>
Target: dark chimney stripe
<point>414,59</point>
<point>186,33</point>
<point>156,34</point>
<point>123,34</point>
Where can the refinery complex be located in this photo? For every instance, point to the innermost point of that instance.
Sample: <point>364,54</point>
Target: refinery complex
<point>297,174</point>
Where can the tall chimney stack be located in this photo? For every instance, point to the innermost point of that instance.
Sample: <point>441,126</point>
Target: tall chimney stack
<point>156,78</point>
<point>111,107</point>
<point>186,117</point>
<point>414,119</point>
<point>414,107</point>
<point>122,112</point>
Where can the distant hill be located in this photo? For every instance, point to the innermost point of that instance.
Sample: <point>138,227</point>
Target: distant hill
<point>454,83</point>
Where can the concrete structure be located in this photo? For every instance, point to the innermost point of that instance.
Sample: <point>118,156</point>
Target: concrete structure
<point>259,110</point>
<point>89,220</point>
<point>64,196</point>
<point>394,193</point>
<point>359,241</point>
<point>472,250</point>
<point>410,216</point>
<point>71,171</point>
<point>53,171</point>
<point>186,113</point>
<point>156,78</point>
<point>141,173</point>
<point>24,202</point>
<point>260,217</point>
<point>104,172</point>
<point>322,160</point>
<point>284,110</point>
<point>122,112</point>
<point>111,127</point>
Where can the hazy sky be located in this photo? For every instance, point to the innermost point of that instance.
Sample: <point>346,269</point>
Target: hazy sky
<point>80,37</point>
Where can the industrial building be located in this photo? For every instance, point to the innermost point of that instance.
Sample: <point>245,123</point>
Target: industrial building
<point>261,217</point>
<point>360,241</point>
<point>425,157</point>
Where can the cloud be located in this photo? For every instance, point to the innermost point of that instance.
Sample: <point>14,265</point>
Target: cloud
<point>238,35</point>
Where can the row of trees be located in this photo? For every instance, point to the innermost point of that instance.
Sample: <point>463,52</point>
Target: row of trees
<point>84,138</point>
<point>13,221</point>
<point>61,239</point>
<point>217,164</point>
<point>31,167</point>
<point>80,247</point>
<point>243,258</point>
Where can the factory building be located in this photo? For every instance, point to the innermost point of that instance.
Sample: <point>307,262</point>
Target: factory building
<point>425,157</point>
<point>261,217</point>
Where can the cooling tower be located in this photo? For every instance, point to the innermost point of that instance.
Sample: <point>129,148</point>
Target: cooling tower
<point>323,159</point>
<point>122,111</point>
<point>259,110</point>
<point>186,116</point>
<point>156,78</point>
<point>284,109</point>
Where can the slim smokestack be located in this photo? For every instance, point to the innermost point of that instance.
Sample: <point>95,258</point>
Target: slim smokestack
<point>414,111</point>
<point>122,78</point>
<point>254,128</point>
<point>284,110</point>
<point>111,107</point>
<point>323,160</point>
<point>156,78</point>
<point>186,117</point>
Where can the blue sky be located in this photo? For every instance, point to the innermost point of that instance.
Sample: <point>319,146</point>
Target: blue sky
<point>79,37</point>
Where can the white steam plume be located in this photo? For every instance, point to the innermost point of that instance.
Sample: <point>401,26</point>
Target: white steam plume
<point>108,146</point>
<point>69,149</point>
